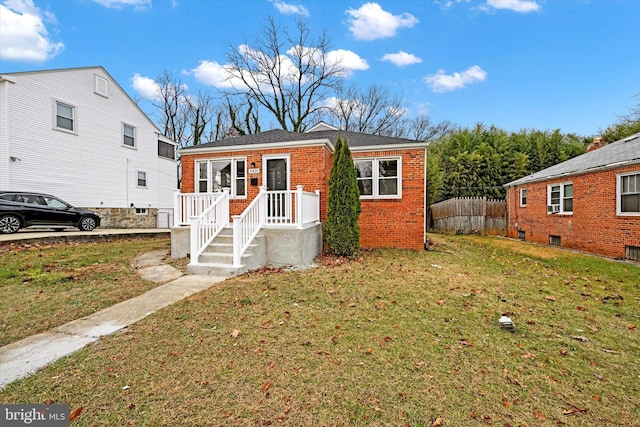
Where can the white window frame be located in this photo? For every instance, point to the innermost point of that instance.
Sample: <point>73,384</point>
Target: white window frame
<point>523,196</point>
<point>74,118</point>
<point>376,178</point>
<point>98,83</point>
<point>233,190</point>
<point>619,192</point>
<point>146,179</point>
<point>124,136</point>
<point>558,208</point>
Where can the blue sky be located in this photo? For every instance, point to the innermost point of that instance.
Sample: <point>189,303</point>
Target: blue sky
<point>571,65</point>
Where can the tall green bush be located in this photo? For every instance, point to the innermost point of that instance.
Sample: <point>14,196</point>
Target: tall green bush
<point>341,230</point>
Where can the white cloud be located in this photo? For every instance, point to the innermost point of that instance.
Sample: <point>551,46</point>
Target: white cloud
<point>24,35</point>
<point>441,82</point>
<point>401,59</point>
<point>371,22</point>
<point>522,6</point>
<point>290,9</point>
<point>348,60</point>
<point>116,4</point>
<point>213,74</point>
<point>146,87</point>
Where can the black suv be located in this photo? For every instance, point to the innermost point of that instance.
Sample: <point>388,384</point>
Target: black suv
<point>21,209</point>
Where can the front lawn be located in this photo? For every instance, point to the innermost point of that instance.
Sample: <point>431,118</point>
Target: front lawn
<point>45,285</point>
<point>394,338</point>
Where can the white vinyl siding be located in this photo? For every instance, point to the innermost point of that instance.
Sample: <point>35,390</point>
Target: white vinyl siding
<point>52,159</point>
<point>379,178</point>
<point>628,194</point>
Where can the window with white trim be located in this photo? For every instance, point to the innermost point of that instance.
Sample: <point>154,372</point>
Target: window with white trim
<point>379,177</point>
<point>523,197</point>
<point>214,175</point>
<point>65,116</point>
<point>141,179</point>
<point>128,135</point>
<point>628,194</point>
<point>560,198</point>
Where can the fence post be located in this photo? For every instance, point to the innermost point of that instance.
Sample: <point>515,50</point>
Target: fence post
<point>299,208</point>
<point>237,240</point>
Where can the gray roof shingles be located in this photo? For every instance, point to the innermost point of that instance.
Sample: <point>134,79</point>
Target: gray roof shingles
<point>354,139</point>
<point>622,152</point>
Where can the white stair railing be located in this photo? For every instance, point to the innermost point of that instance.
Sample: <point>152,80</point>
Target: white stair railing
<point>247,225</point>
<point>186,205</point>
<point>206,226</point>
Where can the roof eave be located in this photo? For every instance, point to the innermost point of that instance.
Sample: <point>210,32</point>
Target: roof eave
<point>260,146</point>
<point>523,181</point>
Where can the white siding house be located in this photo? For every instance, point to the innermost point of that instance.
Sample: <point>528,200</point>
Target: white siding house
<point>76,134</point>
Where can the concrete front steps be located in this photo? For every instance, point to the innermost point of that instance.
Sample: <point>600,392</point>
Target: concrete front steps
<point>217,258</point>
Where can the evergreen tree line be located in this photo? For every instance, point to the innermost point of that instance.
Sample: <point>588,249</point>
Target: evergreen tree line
<point>477,162</point>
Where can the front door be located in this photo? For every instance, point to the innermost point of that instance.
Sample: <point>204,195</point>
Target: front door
<point>277,179</point>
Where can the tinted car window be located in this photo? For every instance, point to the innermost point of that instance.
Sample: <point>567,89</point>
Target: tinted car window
<point>55,203</point>
<point>9,197</point>
<point>33,199</point>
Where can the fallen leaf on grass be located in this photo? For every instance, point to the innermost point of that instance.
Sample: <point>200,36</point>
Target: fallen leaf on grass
<point>580,338</point>
<point>528,356</point>
<point>75,414</point>
<point>550,298</point>
<point>606,350</point>
<point>594,328</point>
<point>235,333</point>
<point>226,415</point>
<point>438,422</point>
<point>266,386</point>
<point>574,411</point>
<point>539,415</point>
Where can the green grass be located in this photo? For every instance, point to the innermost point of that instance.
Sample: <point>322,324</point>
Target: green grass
<point>394,338</point>
<point>44,285</point>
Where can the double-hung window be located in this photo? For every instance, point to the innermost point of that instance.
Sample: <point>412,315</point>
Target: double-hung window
<point>65,116</point>
<point>523,197</point>
<point>379,177</point>
<point>628,194</point>
<point>217,174</point>
<point>560,198</point>
<point>141,179</point>
<point>128,135</point>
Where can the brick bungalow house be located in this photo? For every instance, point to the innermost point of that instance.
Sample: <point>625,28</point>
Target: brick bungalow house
<point>590,202</point>
<point>391,178</point>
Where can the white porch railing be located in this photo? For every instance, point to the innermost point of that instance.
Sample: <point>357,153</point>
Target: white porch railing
<point>187,205</point>
<point>208,213</point>
<point>247,225</point>
<point>206,226</point>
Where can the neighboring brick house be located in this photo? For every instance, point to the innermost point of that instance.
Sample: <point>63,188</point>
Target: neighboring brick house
<point>76,134</point>
<point>391,176</point>
<point>589,203</point>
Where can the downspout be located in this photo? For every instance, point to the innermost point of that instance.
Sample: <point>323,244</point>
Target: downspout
<point>426,201</point>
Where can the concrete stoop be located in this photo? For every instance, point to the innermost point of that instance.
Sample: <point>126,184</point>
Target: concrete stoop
<point>217,258</point>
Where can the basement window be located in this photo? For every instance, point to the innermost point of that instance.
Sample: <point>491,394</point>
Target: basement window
<point>141,211</point>
<point>554,240</point>
<point>522,234</point>
<point>632,253</point>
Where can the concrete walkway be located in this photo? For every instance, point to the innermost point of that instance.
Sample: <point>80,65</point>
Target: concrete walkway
<point>24,357</point>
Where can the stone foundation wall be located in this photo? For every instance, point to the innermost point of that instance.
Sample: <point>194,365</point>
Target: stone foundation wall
<point>126,218</point>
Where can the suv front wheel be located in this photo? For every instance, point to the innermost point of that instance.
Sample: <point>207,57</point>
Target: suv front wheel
<point>9,224</point>
<point>87,223</point>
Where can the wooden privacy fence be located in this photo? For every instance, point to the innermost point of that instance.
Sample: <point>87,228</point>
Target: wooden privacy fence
<point>470,215</point>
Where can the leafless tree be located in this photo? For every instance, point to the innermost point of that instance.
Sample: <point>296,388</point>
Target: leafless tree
<point>171,102</point>
<point>286,72</point>
<point>374,110</point>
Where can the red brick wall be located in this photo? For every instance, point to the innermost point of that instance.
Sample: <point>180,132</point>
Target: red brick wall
<point>397,223</point>
<point>383,223</point>
<point>593,227</point>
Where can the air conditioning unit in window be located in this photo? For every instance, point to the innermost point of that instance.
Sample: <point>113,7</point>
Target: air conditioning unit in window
<point>553,209</point>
